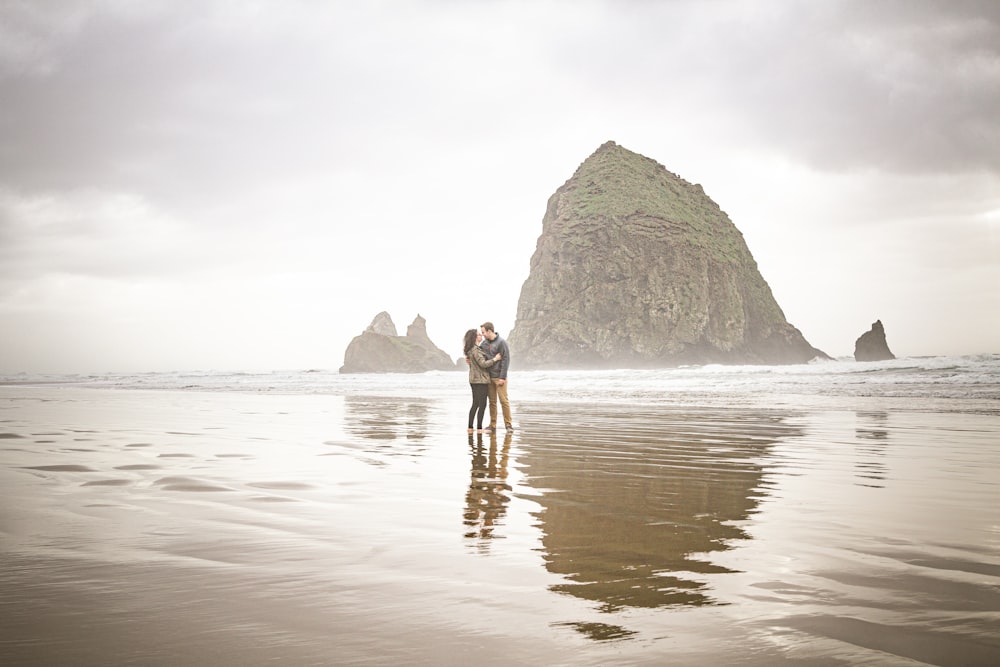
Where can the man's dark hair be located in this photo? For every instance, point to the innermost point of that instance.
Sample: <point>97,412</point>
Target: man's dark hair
<point>488,326</point>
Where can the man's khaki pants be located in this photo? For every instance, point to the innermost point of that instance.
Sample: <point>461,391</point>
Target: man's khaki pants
<point>499,391</point>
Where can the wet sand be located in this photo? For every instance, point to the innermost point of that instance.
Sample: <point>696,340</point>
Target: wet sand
<point>200,528</point>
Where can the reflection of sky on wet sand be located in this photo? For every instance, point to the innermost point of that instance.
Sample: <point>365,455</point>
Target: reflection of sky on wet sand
<point>630,514</point>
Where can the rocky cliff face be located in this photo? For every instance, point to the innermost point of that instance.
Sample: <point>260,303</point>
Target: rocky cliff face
<point>379,350</point>
<point>872,346</point>
<point>636,267</point>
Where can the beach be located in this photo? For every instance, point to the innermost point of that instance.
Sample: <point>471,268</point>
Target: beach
<point>365,527</point>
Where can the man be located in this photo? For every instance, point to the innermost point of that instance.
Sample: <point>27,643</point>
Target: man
<point>492,344</point>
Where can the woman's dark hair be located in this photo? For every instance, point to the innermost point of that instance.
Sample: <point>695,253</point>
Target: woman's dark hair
<point>470,340</point>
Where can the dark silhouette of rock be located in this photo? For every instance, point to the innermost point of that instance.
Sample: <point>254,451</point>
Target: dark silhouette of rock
<point>379,350</point>
<point>871,346</point>
<point>635,267</point>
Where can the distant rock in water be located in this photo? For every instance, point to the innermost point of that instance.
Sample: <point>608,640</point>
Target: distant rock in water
<point>871,346</point>
<point>638,268</point>
<point>379,350</point>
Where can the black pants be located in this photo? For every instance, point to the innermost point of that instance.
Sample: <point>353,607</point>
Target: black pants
<point>480,393</point>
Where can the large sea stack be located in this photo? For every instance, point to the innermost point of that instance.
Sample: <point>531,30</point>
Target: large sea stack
<point>637,268</point>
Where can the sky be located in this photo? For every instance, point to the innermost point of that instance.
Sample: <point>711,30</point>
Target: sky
<point>244,185</point>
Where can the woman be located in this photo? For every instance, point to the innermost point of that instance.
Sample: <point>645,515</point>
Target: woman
<point>479,376</point>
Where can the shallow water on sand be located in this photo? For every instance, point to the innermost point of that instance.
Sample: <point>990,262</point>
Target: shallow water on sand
<point>164,527</point>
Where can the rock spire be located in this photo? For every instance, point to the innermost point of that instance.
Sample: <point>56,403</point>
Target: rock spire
<point>872,346</point>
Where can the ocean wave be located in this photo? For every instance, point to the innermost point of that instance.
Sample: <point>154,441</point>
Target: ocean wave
<point>970,378</point>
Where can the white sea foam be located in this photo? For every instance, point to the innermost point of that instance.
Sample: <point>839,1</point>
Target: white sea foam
<point>966,383</point>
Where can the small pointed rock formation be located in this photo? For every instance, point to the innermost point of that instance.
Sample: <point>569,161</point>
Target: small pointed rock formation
<point>637,268</point>
<point>379,350</point>
<point>383,324</point>
<point>871,346</point>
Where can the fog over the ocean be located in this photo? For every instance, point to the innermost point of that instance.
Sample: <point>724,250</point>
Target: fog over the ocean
<point>218,185</point>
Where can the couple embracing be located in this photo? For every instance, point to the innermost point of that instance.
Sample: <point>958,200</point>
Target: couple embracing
<point>489,358</point>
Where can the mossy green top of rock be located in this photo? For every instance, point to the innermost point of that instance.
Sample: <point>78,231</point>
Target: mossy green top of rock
<point>617,184</point>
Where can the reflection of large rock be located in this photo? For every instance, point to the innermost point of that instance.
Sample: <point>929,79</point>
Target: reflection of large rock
<point>634,506</point>
<point>379,350</point>
<point>636,267</point>
<point>872,346</point>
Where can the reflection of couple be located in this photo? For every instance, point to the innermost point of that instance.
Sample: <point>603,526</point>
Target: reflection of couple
<point>487,497</point>
<point>488,357</point>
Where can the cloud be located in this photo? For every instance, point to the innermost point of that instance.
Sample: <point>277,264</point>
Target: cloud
<point>910,87</point>
<point>185,102</point>
<point>898,87</point>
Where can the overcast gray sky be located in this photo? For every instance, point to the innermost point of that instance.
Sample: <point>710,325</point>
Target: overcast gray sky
<point>245,185</point>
